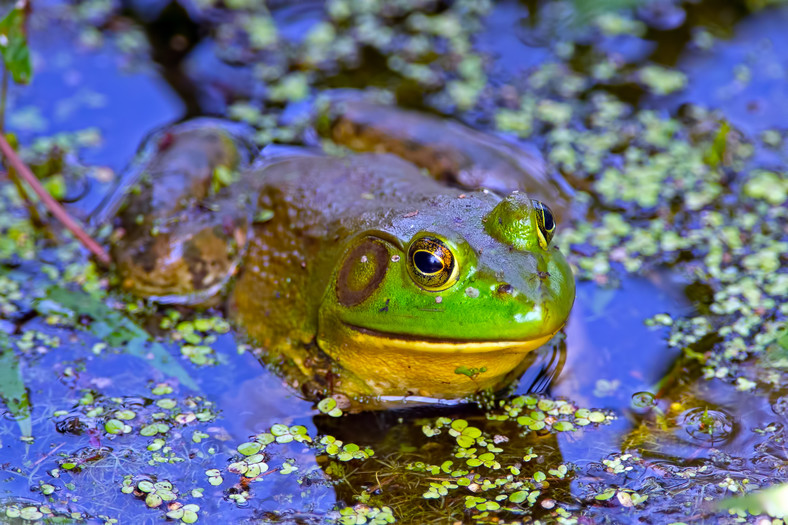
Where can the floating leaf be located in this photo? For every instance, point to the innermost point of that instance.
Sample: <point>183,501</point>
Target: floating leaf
<point>329,406</point>
<point>114,426</point>
<point>145,486</point>
<point>153,500</point>
<point>248,449</point>
<point>563,426</point>
<point>12,387</point>
<point>519,496</point>
<point>606,495</point>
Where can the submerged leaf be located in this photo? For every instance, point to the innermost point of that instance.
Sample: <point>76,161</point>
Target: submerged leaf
<point>120,331</point>
<point>12,387</point>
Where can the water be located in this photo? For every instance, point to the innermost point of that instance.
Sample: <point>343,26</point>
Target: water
<point>686,440</point>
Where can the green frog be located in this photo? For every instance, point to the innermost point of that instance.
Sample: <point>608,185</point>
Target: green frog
<point>423,267</point>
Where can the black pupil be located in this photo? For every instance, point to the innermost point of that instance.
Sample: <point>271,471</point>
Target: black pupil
<point>549,223</point>
<point>547,215</point>
<point>426,262</point>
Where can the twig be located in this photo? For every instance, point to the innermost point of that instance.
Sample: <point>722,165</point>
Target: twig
<point>3,96</point>
<point>34,216</point>
<point>31,207</point>
<point>52,205</point>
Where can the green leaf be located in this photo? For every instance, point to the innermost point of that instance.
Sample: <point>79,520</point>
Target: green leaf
<point>326,405</point>
<point>120,331</point>
<point>519,496</point>
<point>459,425</point>
<point>175,514</point>
<point>606,495</point>
<point>12,387</point>
<point>189,516</point>
<point>563,426</point>
<point>715,155</point>
<point>596,417</point>
<point>13,46</point>
<point>149,430</point>
<point>114,426</point>
<point>153,500</point>
<point>465,441</point>
<point>783,340</point>
<point>248,449</point>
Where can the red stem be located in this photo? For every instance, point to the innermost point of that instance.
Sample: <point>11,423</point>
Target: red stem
<point>51,204</point>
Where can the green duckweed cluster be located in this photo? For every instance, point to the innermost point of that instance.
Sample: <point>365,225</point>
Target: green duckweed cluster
<point>197,336</point>
<point>488,475</point>
<point>115,417</point>
<point>426,46</point>
<point>250,462</point>
<point>361,514</point>
<point>161,494</point>
<point>656,191</point>
<point>26,513</point>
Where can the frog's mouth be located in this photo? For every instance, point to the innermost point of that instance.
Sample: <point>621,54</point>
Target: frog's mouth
<point>378,338</point>
<point>382,363</point>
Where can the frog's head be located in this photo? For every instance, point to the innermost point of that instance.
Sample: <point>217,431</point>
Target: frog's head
<point>448,300</point>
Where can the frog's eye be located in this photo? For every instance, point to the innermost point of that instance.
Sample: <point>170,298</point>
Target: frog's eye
<point>546,223</point>
<point>431,264</point>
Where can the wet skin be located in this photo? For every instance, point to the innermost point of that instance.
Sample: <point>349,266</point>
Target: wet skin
<point>399,283</point>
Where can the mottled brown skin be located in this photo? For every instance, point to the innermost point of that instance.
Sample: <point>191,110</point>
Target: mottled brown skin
<point>176,237</point>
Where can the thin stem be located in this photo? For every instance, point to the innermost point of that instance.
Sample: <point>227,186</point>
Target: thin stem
<point>3,96</point>
<point>35,217</point>
<point>20,188</point>
<point>52,205</point>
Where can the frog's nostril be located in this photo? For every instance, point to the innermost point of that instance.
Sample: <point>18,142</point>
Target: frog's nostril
<point>505,288</point>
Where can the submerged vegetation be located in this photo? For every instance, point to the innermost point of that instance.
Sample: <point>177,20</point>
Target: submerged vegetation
<point>120,411</point>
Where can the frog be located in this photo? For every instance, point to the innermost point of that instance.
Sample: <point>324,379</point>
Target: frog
<point>420,262</point>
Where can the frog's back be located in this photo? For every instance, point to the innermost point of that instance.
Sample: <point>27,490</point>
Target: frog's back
<point>452,152</point>
<point>320,193</point>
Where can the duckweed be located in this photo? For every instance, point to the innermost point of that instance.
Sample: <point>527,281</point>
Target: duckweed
<point>363,514</point>
<point>662,81</point>
<point>185,513</point>
<point>329,406</point>
<point>654,191</point>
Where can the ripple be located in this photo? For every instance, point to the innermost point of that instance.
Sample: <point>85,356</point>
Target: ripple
<point>780,406</point>
<point>707,427</point>
<point>643,400</point>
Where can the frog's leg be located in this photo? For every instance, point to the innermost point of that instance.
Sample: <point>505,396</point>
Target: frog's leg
<point>183,227</point>
<point>448,150</point>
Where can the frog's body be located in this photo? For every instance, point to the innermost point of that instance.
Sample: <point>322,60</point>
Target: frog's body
<point>410,286</point>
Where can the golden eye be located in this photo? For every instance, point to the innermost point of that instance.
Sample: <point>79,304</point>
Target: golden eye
<point>545,222</point>
<point>431,264</point>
